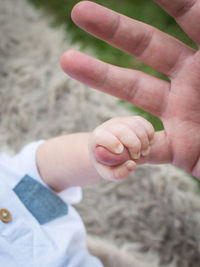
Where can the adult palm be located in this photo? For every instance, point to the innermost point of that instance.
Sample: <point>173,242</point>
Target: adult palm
<point>176,103</point>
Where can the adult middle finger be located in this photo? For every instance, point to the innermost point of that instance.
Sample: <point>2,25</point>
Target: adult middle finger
<point>153,47</point>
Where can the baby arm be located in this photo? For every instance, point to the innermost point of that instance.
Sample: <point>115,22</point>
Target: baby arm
<point>127,138</point>
<point>65,161</point>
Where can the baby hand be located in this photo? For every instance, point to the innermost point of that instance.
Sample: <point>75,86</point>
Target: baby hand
<point>129,137</point>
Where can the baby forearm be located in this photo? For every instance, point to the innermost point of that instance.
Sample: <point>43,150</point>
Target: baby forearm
<point>64,162</point>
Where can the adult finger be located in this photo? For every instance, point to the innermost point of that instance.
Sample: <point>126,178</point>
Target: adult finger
<point>142,90</point>
<point>186,13</point>
<point>153,47</point>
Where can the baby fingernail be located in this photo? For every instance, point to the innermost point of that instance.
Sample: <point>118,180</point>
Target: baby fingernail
<point>146,152</point>
<point>137,155</point>
<point>129,164</point>
<point>119,149</point>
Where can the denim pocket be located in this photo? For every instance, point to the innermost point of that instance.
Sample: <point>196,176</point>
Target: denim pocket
<point>41,202</point>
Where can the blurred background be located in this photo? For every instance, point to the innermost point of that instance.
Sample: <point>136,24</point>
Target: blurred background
<point>146,11</point>
<point>154,215</point>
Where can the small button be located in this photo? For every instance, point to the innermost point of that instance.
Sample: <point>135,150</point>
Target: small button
<point>5,215</point>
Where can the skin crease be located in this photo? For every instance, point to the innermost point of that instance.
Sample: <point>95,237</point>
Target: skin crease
<point>176,103</point>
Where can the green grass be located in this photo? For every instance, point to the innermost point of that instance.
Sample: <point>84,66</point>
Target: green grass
<point>143,10</point>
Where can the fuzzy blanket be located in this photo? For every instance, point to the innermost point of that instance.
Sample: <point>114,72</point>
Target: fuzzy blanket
<point>152,218</point>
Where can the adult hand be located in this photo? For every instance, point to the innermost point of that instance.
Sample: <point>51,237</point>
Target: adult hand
<point>176,103</point>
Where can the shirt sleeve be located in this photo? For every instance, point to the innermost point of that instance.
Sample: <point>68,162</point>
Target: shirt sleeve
<point>26,161</point>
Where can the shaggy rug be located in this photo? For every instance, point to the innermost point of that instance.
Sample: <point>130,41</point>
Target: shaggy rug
<point>152,218</point>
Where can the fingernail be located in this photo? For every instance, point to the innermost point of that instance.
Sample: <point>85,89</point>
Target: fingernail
<point>130,164</point>
<point>119,149</point>
<point>136,156</point>
<point>146,152</point>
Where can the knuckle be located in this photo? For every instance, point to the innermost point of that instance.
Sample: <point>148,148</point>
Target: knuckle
<point>120,128</point>
<point>98,132</point>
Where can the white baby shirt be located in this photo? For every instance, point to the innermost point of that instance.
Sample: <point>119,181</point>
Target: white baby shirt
<point>45,230</point>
